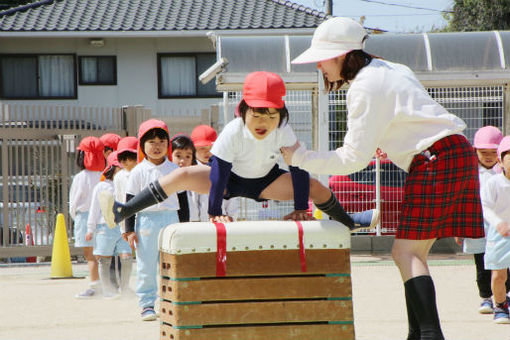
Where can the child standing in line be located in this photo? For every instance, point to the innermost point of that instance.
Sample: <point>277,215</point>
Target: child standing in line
<point>110,142</point>
<point>496,203</point>
<point>203,137</point>
<point>108,242</point>
<point>486,143</point>
<point>245,163</point>
<point>183,154</point>
<point>126,154</point>
<point>153,141</point>
<point>90,160</point>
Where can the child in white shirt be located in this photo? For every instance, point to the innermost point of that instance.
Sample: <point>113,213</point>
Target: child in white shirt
<point>486,141</point>
<point>203,137</point>
<point>90,160</point>
<point>108,242</point>
<point>245,164</point>
<point>144,230</point>
<point>496,210</point>
<point>127,155</point>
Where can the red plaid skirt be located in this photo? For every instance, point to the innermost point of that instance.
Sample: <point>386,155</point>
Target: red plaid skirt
<point>442,193</point>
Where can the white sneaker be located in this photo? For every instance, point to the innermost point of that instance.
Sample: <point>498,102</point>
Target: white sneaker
<point>106,201</point>
<point>87,294</point>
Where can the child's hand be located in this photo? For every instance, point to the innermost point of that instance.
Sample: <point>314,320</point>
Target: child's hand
<point>503,229</point>
<point>131,238</point>
<point>220,219</point>
<point>88,236</point>
<point>288,152</point>
<point>299,215</point>
<point>380,154</point>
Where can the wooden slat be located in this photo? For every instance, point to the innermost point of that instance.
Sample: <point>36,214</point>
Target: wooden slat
<point>264,262</point>
<point>293,287</point>
<point>239,313</point>
<point>280,332</point>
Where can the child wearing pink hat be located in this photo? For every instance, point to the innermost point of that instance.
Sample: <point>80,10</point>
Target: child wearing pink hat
<point>90,160</point>
<point>496,202</point>
<point>110,142</point>
<point>143,229</point>
<point>245,164</point>
<point>203,137</point>
<point>108,242</point>
<point>486,142</point>
<point>127,155</point>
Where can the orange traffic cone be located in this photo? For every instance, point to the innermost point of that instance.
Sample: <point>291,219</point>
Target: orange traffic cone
<point>29,241</point>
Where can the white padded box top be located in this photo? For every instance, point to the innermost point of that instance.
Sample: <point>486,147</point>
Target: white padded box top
<point>200,237</point>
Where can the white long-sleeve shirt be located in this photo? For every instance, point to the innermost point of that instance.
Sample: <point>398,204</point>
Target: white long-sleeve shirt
<point>80,194</point>
<point>477,245</point>
<point>95,216</point>
<point>496,200</point>
<point>120,181</point>
<point>387,108</point>
<point>145,173</point>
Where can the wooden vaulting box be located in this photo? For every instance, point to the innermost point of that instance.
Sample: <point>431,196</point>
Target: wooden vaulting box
<point>256,280</point>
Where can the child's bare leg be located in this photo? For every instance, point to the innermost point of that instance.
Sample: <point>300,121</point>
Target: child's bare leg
<point>193,178</point>
<point>92,263</point>
<point>498,279</point>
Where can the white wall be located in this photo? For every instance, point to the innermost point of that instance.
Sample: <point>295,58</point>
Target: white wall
<point>137,79</point>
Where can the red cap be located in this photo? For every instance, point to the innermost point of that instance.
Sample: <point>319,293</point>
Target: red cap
<point>112,160</point>
<point>203,135</point>
<point>110,140</point>
<point>144,128</point>
<point>128,144</point>
<point>93,149</point>
<point>264,89</point>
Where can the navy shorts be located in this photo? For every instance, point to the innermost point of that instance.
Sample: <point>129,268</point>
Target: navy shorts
<point>238,186</point>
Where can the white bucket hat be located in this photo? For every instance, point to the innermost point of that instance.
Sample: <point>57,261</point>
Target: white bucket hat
<point>333,38</point>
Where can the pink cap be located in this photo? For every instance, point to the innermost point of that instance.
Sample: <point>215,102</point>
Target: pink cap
<point>504,146</point>
<point>203,135</point>
<point>144,128</point>
<point>110,140</point>
<point>128,144</point>
<point>487,137</point>
<point>112,160</point>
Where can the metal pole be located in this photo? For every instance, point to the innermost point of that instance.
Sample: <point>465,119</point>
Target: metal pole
<point>378,192</point>
<point>329,7</point>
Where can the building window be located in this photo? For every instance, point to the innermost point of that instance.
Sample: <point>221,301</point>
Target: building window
<point>98,70</point>
<point>178,75</point>
<point>37,76</point>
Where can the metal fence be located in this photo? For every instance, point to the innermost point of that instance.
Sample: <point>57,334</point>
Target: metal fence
<point>37,162</point>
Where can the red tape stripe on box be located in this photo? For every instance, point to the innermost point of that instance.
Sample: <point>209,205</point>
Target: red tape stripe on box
<point>302,255</point>
<point>221,249</point>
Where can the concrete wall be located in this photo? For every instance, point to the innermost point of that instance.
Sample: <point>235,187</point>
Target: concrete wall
<point>137,79</point>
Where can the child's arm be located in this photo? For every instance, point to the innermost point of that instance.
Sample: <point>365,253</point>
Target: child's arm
<point>301,186</point>
<point>94,214</point>
<point>220,171</point>
<point>503,229</point>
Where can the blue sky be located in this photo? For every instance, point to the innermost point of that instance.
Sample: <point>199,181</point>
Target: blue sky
<point>384,14</point>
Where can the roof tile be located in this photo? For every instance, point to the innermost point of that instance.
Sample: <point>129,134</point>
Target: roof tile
<point>157,15</point>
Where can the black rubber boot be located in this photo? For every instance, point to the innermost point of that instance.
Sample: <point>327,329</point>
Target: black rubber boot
<point>422,298</point>
<point>149,196</point>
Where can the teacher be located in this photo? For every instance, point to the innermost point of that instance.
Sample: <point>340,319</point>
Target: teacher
<point>389,109</point>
